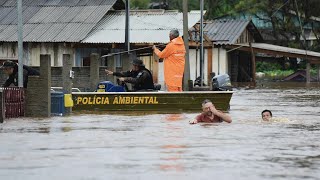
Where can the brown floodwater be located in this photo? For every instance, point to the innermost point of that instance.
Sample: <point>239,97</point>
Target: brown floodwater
<point>165,146</point>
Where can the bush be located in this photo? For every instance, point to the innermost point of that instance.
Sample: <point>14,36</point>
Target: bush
<point>266,66</point>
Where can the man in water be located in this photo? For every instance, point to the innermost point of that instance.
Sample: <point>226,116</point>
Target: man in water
<point>11,69</point>
<point>174,60</point>
<point>266,115</point>
<point>210,114</point>
<point>139,76</point>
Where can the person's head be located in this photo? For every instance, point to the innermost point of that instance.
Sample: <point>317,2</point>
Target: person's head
<point>8,67</point>
<point>266,115</point>
<point>174,33</point>
<point>206,107</point>
<point>137,64</point>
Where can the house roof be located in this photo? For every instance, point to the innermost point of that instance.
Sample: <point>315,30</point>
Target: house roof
<point>279,50</point>
<point>53,20</point>
<point>228,31</point>
<point>146,26</point>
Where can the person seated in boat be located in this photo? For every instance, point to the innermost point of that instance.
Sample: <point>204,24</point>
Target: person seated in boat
<point>10,68</point>
<point>266,115</point>
<point>139,76</point>
<point>210,114</point>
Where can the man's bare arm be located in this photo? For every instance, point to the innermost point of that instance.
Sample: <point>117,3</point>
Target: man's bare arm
<point>223,116</point>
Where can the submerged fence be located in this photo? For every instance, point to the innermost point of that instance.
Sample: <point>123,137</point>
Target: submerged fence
<point>12,102</point>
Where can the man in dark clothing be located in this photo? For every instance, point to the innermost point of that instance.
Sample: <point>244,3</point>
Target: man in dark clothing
<point>139,76</point>
<point>11,69</point>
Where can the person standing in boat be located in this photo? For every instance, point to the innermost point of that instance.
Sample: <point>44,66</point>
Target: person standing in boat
<point>139,76</point>
<point>210,114</point>
<point>174,60</point>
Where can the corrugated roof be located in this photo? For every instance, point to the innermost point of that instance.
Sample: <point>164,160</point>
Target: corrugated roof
<point>227,31</point>
<point>145,26</point>
<point>53,20</point>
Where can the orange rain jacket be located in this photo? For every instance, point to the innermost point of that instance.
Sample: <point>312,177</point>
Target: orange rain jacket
<point>174,60</point>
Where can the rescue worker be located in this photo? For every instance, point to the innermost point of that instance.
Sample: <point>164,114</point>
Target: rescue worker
<point>174,60</point>
<point>11,69</point>
<point>139,76</point>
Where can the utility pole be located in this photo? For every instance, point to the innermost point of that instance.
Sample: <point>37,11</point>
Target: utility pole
<point>201,44</point>
<point>20,43</point>
<point>186,44</point>
<point>127,35</point>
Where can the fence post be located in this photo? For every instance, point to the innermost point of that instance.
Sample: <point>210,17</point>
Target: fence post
<point>66,79</point>
<point>94,71</point>
<point>38,101</point>
<point>45,78</point>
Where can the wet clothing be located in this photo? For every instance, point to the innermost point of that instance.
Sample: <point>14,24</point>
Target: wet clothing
<point>174,60</point>
<point>141,80</point>
<point>206,119</point>
<point>13,78</point>
<point>174,89</point>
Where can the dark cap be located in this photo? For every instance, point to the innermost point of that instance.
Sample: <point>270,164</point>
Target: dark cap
<point>8,64</point>
<point>138,62</point>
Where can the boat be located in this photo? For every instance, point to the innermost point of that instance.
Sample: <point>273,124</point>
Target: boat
<point>110,97</point>
<point>189,101</point>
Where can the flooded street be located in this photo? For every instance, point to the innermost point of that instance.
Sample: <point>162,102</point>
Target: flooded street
<point>166,147</point>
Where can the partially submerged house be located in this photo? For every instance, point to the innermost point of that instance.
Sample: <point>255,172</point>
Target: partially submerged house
<point>232,47</point>
<point>218,58</point>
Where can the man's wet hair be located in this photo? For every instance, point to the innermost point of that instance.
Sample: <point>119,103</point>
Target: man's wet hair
<point>205,102</point>
<point>266,111</point>
<point>174,33</point>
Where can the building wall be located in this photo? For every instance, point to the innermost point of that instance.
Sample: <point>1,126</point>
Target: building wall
<point>220,61</point>
<point>194,58</point>
<point>81,80</point>
<point>32,52</point>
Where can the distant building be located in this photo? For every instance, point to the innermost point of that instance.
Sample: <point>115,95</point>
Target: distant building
<point>233,46</point>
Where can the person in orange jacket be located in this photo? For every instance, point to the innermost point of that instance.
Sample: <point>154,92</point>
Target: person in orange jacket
<point>174,60</point>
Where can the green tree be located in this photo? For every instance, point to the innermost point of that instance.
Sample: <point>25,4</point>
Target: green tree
<point>139,4</point>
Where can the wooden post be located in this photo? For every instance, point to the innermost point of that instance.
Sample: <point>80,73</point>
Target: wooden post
<point>253,60</point>
<point>155,68</point>
<point>308,75</point>
<point>209,65</point>
<point>186,74</point>
<point>66,79</point>
<point>94,71</point>
<point>2,104</point>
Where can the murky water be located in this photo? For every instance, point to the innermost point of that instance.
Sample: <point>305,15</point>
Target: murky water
<point>166,147</point>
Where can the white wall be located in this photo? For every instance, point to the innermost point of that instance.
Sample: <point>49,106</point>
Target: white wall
<point>195,64</point>
<point>32,52</point>
<point>220,61</point>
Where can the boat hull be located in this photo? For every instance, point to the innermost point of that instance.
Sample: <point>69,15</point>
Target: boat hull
<point>150,101</point>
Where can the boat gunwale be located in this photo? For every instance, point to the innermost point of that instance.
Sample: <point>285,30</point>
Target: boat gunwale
<point>154,93</point>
